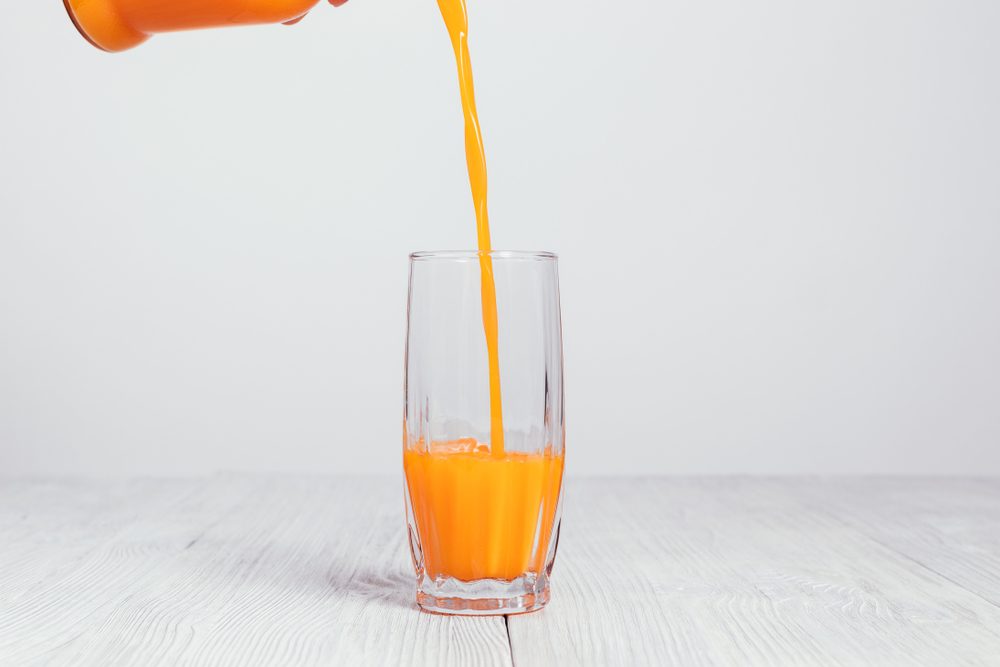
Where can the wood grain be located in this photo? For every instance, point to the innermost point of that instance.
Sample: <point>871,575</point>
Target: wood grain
<point>236,570</point>
<point>950,526</point>
<point>46,526</point>
<point>740,572</point>
<point>658,571</point>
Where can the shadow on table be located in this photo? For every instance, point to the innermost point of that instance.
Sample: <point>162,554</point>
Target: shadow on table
<point>312,578</point>
<point>392,587</point>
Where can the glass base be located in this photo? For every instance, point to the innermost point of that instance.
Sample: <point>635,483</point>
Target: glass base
<point>483,597</point>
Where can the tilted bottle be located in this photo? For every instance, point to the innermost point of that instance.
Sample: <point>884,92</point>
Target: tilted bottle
<point>116,25</point>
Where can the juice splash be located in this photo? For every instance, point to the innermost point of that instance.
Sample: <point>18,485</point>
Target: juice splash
<point>457,21</point>
<point>479,516</point>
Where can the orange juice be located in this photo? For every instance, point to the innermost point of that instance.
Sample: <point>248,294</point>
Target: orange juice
<point>457,21</point>
<point>480,516</point>
<point>481,512</point>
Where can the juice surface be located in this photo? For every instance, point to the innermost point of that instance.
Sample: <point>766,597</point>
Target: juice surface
<point>457,21</point>
<point>479,515</point>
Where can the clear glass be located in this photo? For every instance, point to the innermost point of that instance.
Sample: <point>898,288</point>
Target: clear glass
<point>483,521</point>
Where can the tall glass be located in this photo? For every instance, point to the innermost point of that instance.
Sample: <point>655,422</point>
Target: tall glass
<point>483,518</point>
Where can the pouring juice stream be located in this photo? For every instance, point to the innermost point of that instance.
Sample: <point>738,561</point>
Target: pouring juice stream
<point>481,512</point>
<point>456,19</point>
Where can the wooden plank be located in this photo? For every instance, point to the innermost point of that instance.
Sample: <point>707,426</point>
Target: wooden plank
<point>739,572</point>
<point>97,562</point>
<point>252,571</point>
<point>291,570</point>
<point>949,525</point>
<point>48,525</point>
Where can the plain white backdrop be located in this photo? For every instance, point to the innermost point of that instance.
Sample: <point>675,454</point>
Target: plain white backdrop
<point>779,229</point>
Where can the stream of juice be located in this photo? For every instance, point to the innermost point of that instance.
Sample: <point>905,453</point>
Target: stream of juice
<point>457,21</point>
<point>481,511</point>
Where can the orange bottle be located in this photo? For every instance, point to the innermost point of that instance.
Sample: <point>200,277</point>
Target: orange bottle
<point>116,25</point>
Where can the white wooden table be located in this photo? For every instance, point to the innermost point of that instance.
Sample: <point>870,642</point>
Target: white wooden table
<point>661,571</point>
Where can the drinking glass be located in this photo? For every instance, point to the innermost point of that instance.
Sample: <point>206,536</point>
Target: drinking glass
<point>483,516</point>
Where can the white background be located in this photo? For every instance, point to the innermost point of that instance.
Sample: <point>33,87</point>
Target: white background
<point>779,225</point>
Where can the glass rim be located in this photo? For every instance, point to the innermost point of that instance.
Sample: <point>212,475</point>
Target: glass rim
<point>467,255</point>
